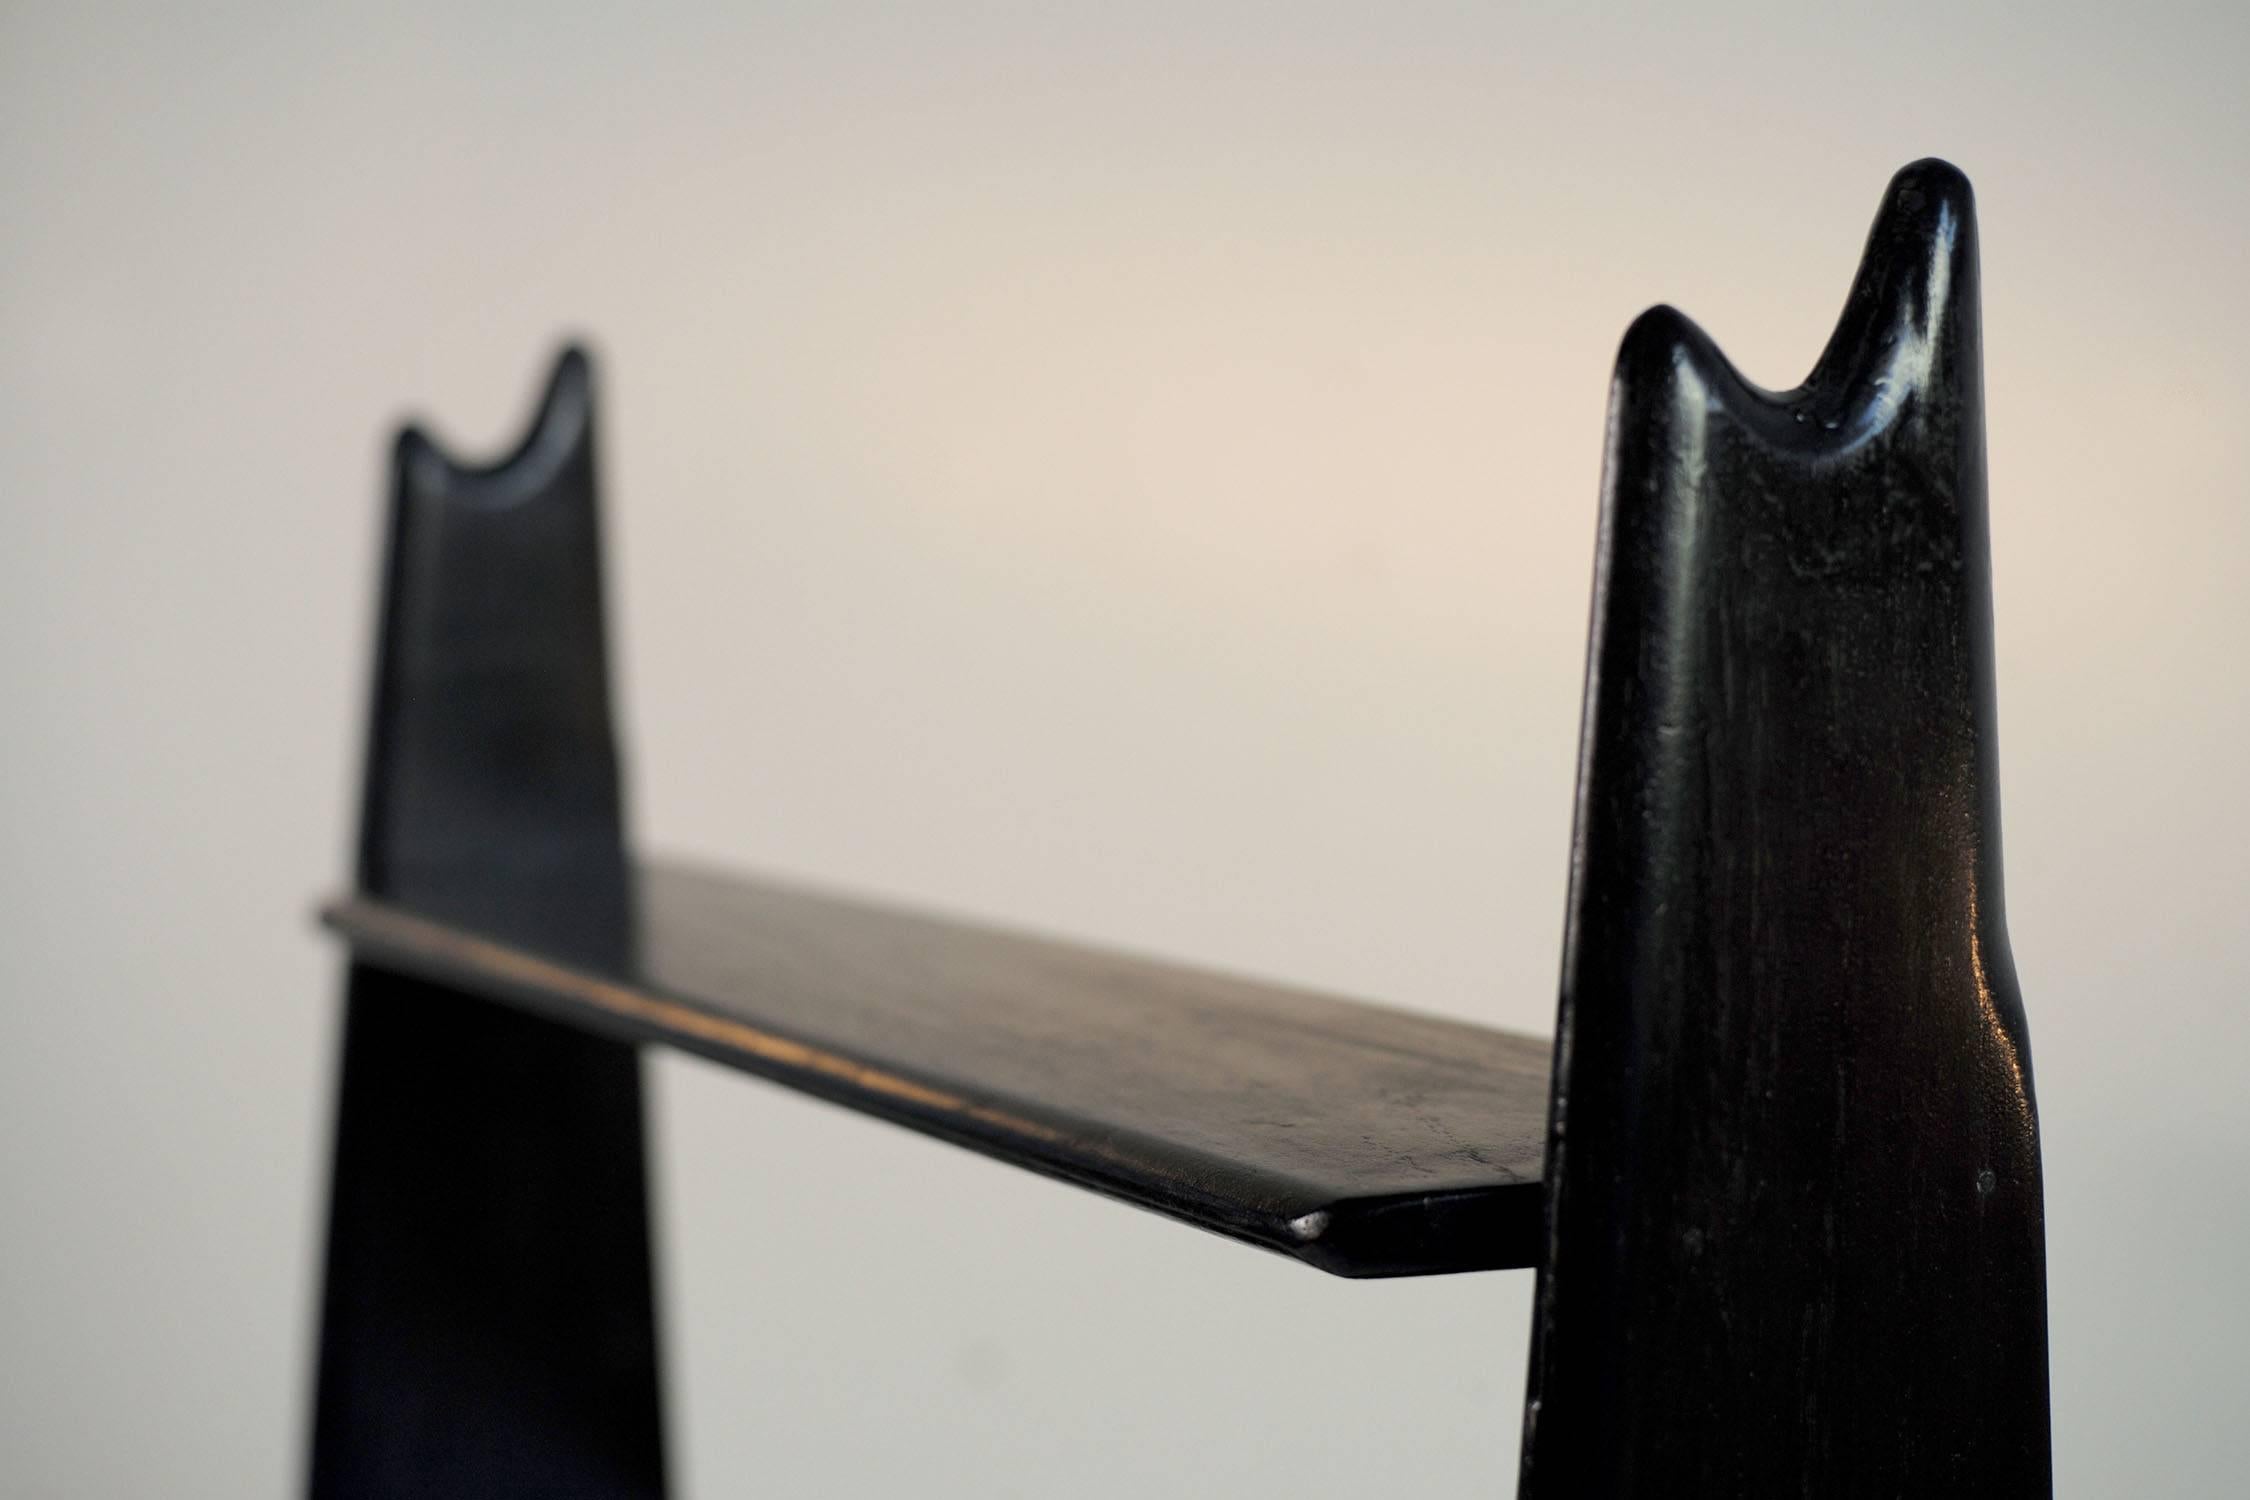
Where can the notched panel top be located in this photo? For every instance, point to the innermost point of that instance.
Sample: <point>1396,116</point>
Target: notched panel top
<point>493,786</point>
<point>1795,1215</point>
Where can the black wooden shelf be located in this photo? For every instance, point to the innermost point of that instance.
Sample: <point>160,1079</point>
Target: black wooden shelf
<point>1795,1244</point>
<point>1364,1140</point>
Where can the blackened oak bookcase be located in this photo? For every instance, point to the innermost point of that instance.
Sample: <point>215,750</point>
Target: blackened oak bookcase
<point>1778,1172</point>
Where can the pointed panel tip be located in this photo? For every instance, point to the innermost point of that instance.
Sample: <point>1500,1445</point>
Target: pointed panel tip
<point>1668,381</point>
<point>1662,345</point>
<point>1928,214</point>
<point>571,379</point>
<point>1933,179</point>
<point>1910,321</point>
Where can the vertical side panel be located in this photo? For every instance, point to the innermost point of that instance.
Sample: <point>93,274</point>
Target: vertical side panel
<point>488,1319</point>
<point>1795,1233</point>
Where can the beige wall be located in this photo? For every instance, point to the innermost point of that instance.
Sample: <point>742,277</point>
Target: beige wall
<point>1129,473</point>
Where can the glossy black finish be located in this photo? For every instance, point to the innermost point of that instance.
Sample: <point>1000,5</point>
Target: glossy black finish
<point>1363,1140</point>
<point>1794,1237</point>
<point>488,1324</point>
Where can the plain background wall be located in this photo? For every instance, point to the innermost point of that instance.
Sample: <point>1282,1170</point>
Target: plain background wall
<point>1129,471</point>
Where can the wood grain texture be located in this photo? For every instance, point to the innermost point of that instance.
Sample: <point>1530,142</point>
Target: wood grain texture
<point>1363,1140</point>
